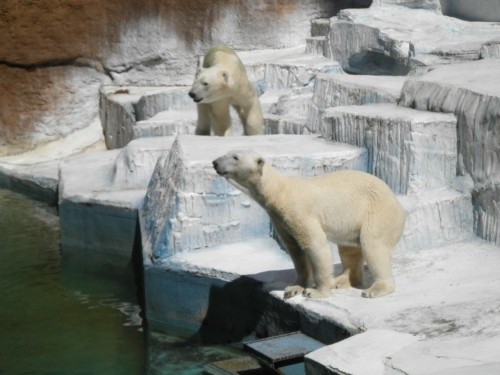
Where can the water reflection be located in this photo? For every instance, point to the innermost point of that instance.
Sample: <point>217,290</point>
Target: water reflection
<point>72,312</point>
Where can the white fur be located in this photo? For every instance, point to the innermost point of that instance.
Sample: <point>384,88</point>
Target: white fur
<point>355,210</point>
<point>223,82</point>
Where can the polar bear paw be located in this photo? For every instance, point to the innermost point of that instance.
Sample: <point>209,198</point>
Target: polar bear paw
<point>379,289</point>
<point>315,293</point>
<point>292,291</point>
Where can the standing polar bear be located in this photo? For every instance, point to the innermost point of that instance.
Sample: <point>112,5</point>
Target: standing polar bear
<point>221,82</point>
<point>355,210</point>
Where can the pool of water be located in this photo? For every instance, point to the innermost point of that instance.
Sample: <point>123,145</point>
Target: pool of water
<point>64,312</point>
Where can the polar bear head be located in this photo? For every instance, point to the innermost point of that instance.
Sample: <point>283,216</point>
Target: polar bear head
<point>240,168</point>
<point>210,84</point>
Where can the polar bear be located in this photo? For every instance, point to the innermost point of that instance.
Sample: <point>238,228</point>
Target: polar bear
<point>353,209</point>
<point>222,81</point>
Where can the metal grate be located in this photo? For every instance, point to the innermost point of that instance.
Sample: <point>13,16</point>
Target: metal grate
<point>283,350</point>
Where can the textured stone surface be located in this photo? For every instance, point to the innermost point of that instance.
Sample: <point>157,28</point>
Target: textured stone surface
<point>435,217</point>
<point>484,10</point>
<point>285,111</point>
<point>491,49</point>
<point>100,193</point>
<point>46,44</point>
<point>437,299</point>
<point>434,5</point>
<point>166,123</point>
<point>122,106</point>
<point>43,105</point>
<point>472,92</point>
<point>335,90</point>
<point>410,150</point>
<point>397,40</point>
<point>345,358</point>
<point>298,71</point>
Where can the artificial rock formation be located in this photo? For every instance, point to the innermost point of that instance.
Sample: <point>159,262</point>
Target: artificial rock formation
<point>56,55</point>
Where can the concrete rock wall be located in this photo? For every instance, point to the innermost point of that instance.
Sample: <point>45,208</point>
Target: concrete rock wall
<point>484,10</point>
<point>54,55</point>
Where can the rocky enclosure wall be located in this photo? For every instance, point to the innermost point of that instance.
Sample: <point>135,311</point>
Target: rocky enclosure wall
<point>483,10</point>
<point>55,54</point>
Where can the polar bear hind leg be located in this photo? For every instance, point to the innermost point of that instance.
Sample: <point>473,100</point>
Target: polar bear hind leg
<point>251,118</point>
<point>378,257</point>
<point>352,268</point>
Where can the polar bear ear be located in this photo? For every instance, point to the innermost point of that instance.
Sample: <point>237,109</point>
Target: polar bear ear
<point>225,75</point>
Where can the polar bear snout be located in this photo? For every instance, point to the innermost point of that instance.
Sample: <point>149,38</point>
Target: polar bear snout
<point>193,96</point>
<point>218,169</point>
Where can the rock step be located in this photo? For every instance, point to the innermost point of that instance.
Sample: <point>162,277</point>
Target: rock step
<point>38,181</point>
<point>188,206</point>
<point>294,102</point>
<point>316,44</point>
<point>122,106</point>
<point>283,124</point>
<point>255,63</point>
<point>100,192</point>
<point>286,68</point>
<point>428,288</point>
<point>284,111</point>
<point>396,40</point>
<point>173,98</point>
<point>410,150</point>
<point>320,27</point>
<point>436,302</point>
<point>196,287</point>
<point>298,71</point>
<point>435,218</point>
<point>334,90</point>
<point>167,123</point>
<point>472,92</point>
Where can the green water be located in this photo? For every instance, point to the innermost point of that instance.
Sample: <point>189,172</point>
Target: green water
<point>64,312</point>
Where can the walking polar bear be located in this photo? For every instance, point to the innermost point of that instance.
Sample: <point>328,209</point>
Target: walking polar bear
<point>222,82</point>
<point>355,210</point>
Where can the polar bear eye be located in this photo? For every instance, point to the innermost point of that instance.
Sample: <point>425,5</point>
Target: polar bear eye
<point>205,83</point>
<point>235,157</point>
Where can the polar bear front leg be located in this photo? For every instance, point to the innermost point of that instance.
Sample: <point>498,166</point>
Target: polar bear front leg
<point>317,249</point>
<point>203,125</point>
<point>221,118</point>
<point>303,270</point>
